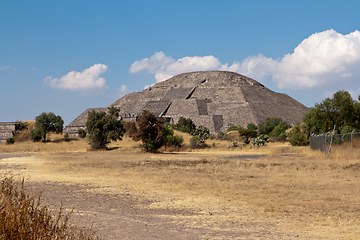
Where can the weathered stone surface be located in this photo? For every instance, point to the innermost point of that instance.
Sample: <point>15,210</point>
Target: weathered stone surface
<point>215,99</point>
<point>6,130</point>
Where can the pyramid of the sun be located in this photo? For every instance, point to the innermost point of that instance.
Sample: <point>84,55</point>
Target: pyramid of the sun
<point>215,99</point>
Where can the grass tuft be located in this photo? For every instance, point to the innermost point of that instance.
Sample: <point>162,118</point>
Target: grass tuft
<point>23,217</point>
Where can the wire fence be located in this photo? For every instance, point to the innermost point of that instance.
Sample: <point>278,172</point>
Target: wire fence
<point>325,141</point>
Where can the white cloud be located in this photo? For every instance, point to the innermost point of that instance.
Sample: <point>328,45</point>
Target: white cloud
<point>326,59</point>
<point>88,80</point>
<point>7,67</point>
<point>123,90</point>
<point>165,67</point>
<point>323,59</point>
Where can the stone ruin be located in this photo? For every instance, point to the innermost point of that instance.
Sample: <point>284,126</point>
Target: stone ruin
<point>8,129</point>
<point>215,99</point>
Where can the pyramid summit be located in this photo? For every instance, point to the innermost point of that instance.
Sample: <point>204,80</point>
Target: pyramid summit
<point>215,99</point>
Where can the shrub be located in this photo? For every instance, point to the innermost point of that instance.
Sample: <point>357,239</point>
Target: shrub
<point>221,134</point>
<point>268,125</point>
<point>252,126</point>
<point>247,133</point>
<point>234,144</point>
<point>283,136</point>
<point>185,125</point>
<point>297,136</point>
<point>10,141</point>
<point>81,132</point>
<point>22,217</point>
<point>175,141</point>
<point>194,142</point>
<point>36,134</point>
<point>66,135</point>
<point>153,133</point>
<point>234,128</point>
<point>202,133</point>
<point>260,140</point>
<point>280,128</point>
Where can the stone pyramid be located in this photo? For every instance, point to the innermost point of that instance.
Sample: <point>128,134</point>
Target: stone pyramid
<point>215,99</point>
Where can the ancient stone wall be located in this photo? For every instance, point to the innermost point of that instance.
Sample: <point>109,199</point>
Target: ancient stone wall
<point>6,130</point>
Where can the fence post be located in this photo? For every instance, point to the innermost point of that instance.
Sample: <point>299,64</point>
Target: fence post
<point>325,143</point>
<point>332,136</point>
<point>352,141</point>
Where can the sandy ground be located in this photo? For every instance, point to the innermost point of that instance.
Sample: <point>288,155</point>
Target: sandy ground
<point>124,215</point>
<point>90,188</point>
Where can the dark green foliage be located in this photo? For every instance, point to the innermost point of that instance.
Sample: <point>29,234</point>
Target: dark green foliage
<point>247,133</point>
<point>66,135</point>
<point>298,136</point>
<point>10,141</point>
<point>234,128</point>
<point>268,125</point>
<point>81,132</point>
<point>103,128</point>
<point>45,123</point>
<point>346,129</point>
<point>36,134</point>
<point>252,126</point>
<point>172,140</point>
<point>340,110</point>
<point>185,125</point>
<point>202,133</point>
<point>150,131</point>
<point>153,133</point>
<point>260,140</point>
<point>283,136</point>
<point>279,129</point>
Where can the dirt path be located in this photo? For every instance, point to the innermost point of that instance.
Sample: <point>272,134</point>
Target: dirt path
<point>123,214</point>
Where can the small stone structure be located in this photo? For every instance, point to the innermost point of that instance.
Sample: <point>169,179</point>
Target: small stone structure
<point>7,130</point>
<point>215,99</point>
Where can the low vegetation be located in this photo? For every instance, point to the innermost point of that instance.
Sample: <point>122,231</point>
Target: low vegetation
<point>153,133</point>
<point>23,217</point>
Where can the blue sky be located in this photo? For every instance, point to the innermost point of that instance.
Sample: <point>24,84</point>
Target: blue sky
<point>67,56</point>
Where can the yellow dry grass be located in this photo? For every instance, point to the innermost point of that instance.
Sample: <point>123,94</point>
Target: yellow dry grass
<point>295,190</point>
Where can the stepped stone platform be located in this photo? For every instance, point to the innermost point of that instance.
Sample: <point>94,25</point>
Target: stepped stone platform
<point>215,99</point>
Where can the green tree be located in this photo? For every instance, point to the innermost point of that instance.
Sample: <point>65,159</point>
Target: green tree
<point>81,132</point>
<point>247,133</point>
<point>268,125</point>
<point>252,126</point>
<point>46,123</point>
<point>153,133</point>
<point>298,136</point>
<point>340,110</point>
<point>103,128</point>
<point>279,129</point>
<point>185,125</point>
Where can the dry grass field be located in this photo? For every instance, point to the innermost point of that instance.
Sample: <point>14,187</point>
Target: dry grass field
<point>273,192</point>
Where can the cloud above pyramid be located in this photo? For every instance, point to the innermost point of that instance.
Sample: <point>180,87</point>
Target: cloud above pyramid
<point>323,59</point>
